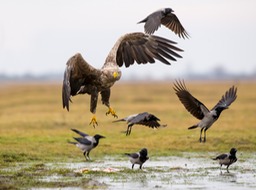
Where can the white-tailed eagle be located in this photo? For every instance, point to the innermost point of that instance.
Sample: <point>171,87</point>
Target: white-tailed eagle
<point>82,78</point>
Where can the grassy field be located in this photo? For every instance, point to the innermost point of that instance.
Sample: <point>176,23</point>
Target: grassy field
<point>34,129</point>
<point>34,126</point>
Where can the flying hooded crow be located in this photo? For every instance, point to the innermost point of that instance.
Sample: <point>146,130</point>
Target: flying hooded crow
<point>82,78</point>
<point>138,158</point>
<point>199,110</point>
<point>144,118</point>
<point>227,159</point>
<point>86,143</point>
<point>167,18</point>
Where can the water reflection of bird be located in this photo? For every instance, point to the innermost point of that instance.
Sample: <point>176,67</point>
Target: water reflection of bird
<point>165,17</point>
<point>227,159</point>
<point>86,143</point>
<point>82,78</point>
<point>200,111</point>
<point>144,118</point>
<point>138,158</point>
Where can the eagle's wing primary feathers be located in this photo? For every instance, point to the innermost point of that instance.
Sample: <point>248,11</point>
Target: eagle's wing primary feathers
<point>142,48</point>
<point>78,72</point>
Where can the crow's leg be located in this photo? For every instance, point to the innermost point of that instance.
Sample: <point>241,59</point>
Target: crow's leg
<point>204,139</point>
<point>85,155</point>
<point>200,138</point>
<point>129,129</point>
<point>88,156</point>
<point>227,168</point>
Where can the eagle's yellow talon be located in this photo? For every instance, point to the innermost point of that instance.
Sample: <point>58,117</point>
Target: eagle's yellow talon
<point>112,112</point>
<point>94,121</point>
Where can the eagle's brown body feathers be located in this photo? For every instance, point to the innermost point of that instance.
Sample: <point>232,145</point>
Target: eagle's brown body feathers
<point>82,78</point>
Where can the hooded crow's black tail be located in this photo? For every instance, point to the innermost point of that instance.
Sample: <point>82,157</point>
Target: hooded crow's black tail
<point>119,120</point>
<point>144,20</point>
<point>70,142</point>
<point>193,127</point>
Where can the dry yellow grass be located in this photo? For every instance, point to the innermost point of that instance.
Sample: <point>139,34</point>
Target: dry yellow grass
<point>33,122</point>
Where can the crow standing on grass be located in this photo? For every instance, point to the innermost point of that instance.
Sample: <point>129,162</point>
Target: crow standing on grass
<point>227,159</point>
<point>86,143</point>
<point>199,110</point>
<point>165,17</point>
<point>138,158</point>
<point>144,118</point>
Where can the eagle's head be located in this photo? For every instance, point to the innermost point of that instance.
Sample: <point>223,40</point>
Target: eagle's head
<point>117,74</point>
<point>110,75</point>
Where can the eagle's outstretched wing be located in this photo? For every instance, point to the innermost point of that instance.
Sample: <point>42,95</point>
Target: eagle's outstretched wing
<point>77,73</point>
<point>142,48</point>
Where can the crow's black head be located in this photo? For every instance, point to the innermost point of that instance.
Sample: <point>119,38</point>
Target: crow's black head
<point>144,152</point>
<point>233,151</point>
<point>97,137</point>
<point>167,11</point>
<point>144,155</point>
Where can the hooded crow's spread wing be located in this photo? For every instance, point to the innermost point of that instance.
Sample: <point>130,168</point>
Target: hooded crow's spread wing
<point>78,73</point>
<point>227,98</point>
<point>166,18</point>
<point>80,133</point>
<point>172,22</point>
<point>146,119</point>
<point>151,124</point>
<point>190,102</point>
<point>83,141</point>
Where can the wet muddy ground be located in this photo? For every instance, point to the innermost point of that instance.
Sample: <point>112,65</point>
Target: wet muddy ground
<point>190,171</point>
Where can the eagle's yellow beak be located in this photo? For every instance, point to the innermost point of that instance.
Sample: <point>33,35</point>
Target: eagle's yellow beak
<point>115,74</point>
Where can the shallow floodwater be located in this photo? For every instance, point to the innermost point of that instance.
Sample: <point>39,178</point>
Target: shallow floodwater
<point>183,172</point>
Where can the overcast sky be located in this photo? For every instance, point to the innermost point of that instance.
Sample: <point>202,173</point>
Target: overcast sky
<point>39,36</point>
